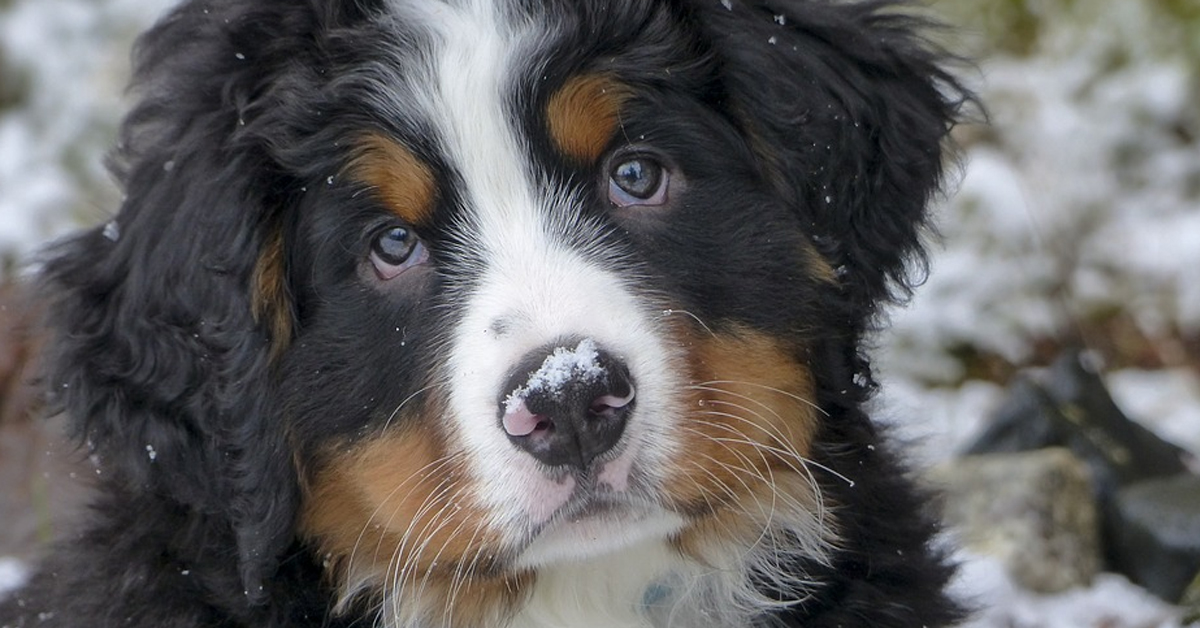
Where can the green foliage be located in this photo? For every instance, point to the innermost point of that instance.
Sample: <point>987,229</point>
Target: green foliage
<point>1185,14</point>
<point>1009,26</point>
<point>14,83</point>
<point>1020,27</point>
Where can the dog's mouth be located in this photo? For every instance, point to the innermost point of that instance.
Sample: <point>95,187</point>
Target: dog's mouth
<point>595,519</point>
<point>594,524</point>
<point>589,502</point>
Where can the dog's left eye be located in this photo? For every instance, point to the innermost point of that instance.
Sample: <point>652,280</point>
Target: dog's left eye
<point>638,180</point>
<point>394,250</point>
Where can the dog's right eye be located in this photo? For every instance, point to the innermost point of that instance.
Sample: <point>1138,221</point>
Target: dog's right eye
<point>396,249</point>
<point>638,180</point>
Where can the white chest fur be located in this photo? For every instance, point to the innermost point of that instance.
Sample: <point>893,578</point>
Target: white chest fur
<point>647,585</point>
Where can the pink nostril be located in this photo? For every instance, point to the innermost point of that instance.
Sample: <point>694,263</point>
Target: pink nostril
<point>605,402</point>
<point>519,421</point>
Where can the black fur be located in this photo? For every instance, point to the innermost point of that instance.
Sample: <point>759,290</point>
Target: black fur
<point>829,119</point>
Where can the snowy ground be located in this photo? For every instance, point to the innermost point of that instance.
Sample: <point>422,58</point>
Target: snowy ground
<point>72,55</point>
<point>1111,602</point>
<point>1076,212</point>
<point>12,574</point>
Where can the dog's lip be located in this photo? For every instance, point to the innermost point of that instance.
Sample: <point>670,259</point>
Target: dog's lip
<point>592,505</point>
<point>593,509</point>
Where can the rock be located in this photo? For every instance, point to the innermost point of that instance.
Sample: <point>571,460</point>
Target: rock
<point>1033,511</point>
<point>1191,602</point>
<point>1069,406</point>
<point>1155,534</point>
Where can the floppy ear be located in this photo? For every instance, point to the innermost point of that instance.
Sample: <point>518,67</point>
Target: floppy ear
<point>165,318</point>
<point>849,109</point>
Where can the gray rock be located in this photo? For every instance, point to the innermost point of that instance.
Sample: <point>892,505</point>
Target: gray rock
<point>1069,406</point>
<point>1155,534</point>
<point>1033,511</point>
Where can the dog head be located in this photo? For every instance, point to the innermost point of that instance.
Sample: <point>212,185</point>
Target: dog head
<point>459,293</point>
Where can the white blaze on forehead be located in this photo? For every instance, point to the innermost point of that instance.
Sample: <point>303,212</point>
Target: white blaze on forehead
<point>478,57</point>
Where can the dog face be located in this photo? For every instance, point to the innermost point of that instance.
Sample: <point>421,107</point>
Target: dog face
<point>547,211</point>
<point>471,297</point>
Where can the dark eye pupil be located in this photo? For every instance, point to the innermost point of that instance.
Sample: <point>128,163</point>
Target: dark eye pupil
<point>637,177</point>
<point>394,245</point>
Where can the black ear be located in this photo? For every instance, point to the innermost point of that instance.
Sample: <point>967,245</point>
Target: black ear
<point>849,109</point>
<point>165,317</point>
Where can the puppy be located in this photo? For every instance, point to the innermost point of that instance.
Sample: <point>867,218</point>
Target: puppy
<point>501,314</point>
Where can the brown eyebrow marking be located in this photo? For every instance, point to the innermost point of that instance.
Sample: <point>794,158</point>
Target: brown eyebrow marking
<point>403,182</point>
<point>584,114</point>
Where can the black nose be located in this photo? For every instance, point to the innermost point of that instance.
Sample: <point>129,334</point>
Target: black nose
<point>567,404</point>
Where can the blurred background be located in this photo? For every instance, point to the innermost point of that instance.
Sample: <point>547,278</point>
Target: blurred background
<point>1047,375</point>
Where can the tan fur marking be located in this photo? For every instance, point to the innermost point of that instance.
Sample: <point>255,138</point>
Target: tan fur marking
<point>819,266</point>
<point>745,445</point>
<point>270,302</point>
<point>751,425</point>
<point>396,510</point>
<point>403,182</point>
<point>583,115</point>
<point>730,525</point>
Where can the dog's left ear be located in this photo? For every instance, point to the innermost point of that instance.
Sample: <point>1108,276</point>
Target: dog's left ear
<point>848,109</point>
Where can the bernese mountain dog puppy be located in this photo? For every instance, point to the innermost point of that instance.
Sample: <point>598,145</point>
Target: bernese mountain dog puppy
<point>501,314</point>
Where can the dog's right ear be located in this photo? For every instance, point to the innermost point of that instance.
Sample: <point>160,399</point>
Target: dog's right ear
<point>165,321</point>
